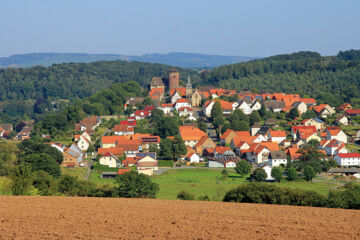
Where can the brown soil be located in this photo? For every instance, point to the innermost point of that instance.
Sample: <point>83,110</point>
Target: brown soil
<point>100,218</point>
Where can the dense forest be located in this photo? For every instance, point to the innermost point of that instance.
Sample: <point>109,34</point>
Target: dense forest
<point>24,88</point>
<point>331,79</point>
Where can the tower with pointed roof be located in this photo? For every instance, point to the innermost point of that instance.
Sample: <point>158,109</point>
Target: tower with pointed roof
<point>188,88</point>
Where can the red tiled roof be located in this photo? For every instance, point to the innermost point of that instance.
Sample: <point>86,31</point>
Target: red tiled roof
<point>189,133</point>
<point>123,171</point>
<point>309,100</point>
<point>278,133</point>
<point>112,139</point>
<point>180,90</point>
<point>333,130</point>
<point>156,91</point>
<point>349,155</point>
<point>352,111</point>
<point>114,150</point>
<point>123,128</point>
<point>222,150</point>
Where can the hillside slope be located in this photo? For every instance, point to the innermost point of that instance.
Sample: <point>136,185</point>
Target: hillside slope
<point>332,79</point>
<point>100,218</point>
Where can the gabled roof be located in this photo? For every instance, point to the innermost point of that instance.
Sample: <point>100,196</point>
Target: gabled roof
<point>279,133</point>
<point>226,134</point>
<point>181,91</point>
<point>123,128</point>
<point>189,133</point>
<point>333,131</point>
<point>309,128</point>
<point>114,150</point>
<point>349,155</point>
<point>352,111</point>
<point>320,107</point>
<point>156,81</point>
<point>272,146</point>
<point>309,100</point>
<point>112,139</point>
<point>222,150</point>
<point>278,155</point>
<point>156,92</point>
<point>201,141</point>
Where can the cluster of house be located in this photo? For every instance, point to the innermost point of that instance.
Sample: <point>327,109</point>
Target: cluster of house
<point>134,146</point>
<point>7,129</point>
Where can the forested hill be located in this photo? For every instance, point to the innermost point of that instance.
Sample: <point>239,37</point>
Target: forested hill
<point>331,79</point>
<point>188,60</point>
<point>21,87</point>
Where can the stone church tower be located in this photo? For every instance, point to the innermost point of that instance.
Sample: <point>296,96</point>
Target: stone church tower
<point>188,88</point>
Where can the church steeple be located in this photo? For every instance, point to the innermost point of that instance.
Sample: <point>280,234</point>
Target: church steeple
<point>188,87</point>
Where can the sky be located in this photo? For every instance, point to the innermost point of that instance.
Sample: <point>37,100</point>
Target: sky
<point>256,28</point>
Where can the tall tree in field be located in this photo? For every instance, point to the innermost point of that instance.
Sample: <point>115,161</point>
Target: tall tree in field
<point>178,147</point>
<point>309,173</point>
<point>22,179</point>
<point>292,174</point>
<point>259,175</point>
<point>243,168</point>
<point>277,173</point>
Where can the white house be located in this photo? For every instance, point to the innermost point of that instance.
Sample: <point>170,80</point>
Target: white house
<point>184,111</point>
<point>301,107</point>
<point>342,120</point>
<point>193,158</point>
<point>336,133</point>
<point>175,98</point>
<point>167,108</point>
<point>83,144</point>
<point>277,136</point>
<point>181,103</point>
<point>110,160</point>
<point>277,158</point>
<point>120,130</point>
<point>207,107</point>
<point>230,164</point>
<point>191,117</point>
<point>245,108</point>
<point>257,154</point>
<point>334,147</point>
<point>256,106</point>
<point>147,165</point>
<point>347,159</point>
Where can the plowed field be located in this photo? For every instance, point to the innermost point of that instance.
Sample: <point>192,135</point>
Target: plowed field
<point>100,218</point>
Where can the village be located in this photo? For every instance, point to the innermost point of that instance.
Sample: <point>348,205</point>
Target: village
<point>265,144</point>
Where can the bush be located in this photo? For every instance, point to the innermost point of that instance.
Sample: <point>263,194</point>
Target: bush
<point>135,185</point>
<point>204,198</point>
<point>271,194</point>
<point>224,174</point>
<point>184,195</point>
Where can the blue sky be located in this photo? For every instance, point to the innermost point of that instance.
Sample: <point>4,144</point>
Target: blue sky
<point>228,27</point>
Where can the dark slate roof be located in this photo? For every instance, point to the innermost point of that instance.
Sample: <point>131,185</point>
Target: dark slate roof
<point>274,104</point>
<point>144,154</point>
<point>278,155</point>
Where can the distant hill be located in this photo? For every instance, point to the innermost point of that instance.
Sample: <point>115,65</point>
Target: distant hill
<point>190,60</point>
<point>187,60</point>
<point>47,59</point>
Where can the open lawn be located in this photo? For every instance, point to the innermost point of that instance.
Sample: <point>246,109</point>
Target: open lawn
<point>78,172</point>
<point>96,173</point>
<point>202,182</point>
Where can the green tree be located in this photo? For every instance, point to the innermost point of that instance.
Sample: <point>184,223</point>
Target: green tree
<point>237,125</point>
<point>166,149</point>
<point>277,173</point>
<point>178,147</point>
<point>45,183</point>
<point>293,113</point>
<point>309,173</point>
<point>255,117</point>
<point>135,185</point>
<point>243,168</point>
<point>44,162</point>
<point>216,110</point>
<point>22,179</point>
<point>202,126</point>
<point>292,174</point>
<point>258,175</point>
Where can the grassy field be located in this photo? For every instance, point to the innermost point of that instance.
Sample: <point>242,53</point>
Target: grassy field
<point>202,182</point>
<point>4,188</point>
<point>96,173</point>
<point>78,172</point>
